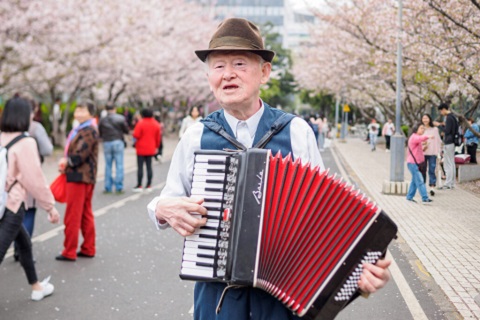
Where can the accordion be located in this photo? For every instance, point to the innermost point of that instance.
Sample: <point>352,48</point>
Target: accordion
<point>285,227</point>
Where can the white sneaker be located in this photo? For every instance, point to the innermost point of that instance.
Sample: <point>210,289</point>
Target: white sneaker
<point>137,189</point>
<point>45,292</point>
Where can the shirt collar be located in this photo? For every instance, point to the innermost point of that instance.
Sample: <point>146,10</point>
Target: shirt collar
<point>252,122</point>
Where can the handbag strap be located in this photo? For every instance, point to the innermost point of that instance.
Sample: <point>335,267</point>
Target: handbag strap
<point>413,157</point>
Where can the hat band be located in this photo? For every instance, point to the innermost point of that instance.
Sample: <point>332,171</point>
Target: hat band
<point>234,42</point>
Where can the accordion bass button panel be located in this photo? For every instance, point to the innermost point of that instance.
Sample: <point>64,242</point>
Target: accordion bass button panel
<point>350,286</point>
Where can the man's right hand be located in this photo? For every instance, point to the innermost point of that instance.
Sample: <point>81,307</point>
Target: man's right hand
<point>177,212</point>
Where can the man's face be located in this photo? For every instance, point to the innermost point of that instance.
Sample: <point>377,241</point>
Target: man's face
<point>443,112</point>
<point>235,77</point>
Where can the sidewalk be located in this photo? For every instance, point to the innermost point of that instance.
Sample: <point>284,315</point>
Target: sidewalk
<point>445,235</point>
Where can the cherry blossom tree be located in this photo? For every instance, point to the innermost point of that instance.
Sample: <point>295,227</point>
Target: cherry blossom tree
<point>354,48</point>
<point>131,50</point>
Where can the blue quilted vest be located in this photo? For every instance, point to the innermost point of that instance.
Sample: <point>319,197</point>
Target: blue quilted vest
<point>243,303</point>
<point>279,142</point>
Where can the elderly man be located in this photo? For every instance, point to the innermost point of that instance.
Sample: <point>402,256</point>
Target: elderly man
<point>237,65</point>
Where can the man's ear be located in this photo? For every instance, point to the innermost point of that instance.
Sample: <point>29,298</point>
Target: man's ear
<point>266,70</point>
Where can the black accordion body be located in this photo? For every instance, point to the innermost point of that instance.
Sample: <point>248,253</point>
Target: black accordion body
<point>284,227</point>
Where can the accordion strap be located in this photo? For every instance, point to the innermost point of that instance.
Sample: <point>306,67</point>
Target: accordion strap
<point>278,125</point>
<point>215,127</point>
<point>220,302</point>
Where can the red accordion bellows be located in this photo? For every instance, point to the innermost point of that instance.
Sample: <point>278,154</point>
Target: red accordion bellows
<point>292,270</point>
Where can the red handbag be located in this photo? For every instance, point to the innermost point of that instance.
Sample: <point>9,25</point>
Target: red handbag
<point>59,188</point>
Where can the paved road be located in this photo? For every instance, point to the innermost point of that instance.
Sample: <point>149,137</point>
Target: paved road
<point>135,273</point>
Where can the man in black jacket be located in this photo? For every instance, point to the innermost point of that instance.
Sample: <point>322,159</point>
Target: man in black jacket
<point>111,129</point>
<point>450,129</point>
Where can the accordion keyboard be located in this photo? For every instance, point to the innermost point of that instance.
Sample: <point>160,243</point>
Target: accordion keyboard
<point>204,251</point>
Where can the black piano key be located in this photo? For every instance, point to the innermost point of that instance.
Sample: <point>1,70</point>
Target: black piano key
<point>212,200</point>
<point>202,246</point>
<point>212,217</point>
<point>208,236</point>
<point>204,255</point>
<point>214,181</point>
<point>209,228</point>
<point>216,170</point>
<point>215,189</point>
<point>217,162</point>
<point>203,264</point>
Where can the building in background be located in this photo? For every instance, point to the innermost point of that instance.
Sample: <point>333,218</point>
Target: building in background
<point>291,19</point>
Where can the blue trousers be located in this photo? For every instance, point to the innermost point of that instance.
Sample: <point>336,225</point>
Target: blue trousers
<point>238,304</point>
<point>113,151</point>
<point>431,166</point>
<point>417,183</point>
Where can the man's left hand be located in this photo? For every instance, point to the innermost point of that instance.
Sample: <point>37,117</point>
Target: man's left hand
<point>374,277</point>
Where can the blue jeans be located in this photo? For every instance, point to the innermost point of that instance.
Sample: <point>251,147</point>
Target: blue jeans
<point>113,151</point>
<point>373,140</point>
<point>431,166</point>
<point>417,183</point>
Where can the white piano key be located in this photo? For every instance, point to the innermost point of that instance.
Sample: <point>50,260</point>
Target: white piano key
<point>204,272</point>
<point>197,238</point>
<point>206,172</point>
<point>202,165</point>
<point>206,232</point>
<point>208,157</point>
<point>206,194</point>
<point>196,245</point>
<point>203,185</point>
<point>198,251</point>
<point>194,265</point>
<point>203,195</point>
<point>195,258</point>
<point>203,178</point>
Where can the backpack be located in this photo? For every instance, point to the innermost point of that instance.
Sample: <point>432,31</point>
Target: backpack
<point>3,173</point>
<point>458,137</point>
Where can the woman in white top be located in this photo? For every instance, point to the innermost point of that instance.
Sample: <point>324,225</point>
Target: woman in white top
<point>431,150</point>
<point>192,118</point>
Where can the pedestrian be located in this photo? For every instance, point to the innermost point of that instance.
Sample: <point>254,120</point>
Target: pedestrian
<point>450,129</point>
<point>431,150</point>
<point>80,166</point>
<point>158,117</point>
<point>373,129</point>
<point>45,148</point>
<point>147,141</point>
<point>192,118</point>
<point>324,134</point>
<point>235,76</point>
<point>111,128</point>
<point>415,159</point>
<point>472,140</point>
<point>316,124</point>
<point>388,131</point>
<point>23,164</point>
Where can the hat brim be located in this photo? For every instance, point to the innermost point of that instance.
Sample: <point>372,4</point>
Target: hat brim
<point>267,55</point>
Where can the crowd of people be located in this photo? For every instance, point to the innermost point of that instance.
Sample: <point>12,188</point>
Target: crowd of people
<point>431,148</point>
<point>27,144</point>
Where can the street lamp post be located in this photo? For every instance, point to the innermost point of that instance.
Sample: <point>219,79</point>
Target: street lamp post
<point>337,105</point>
<point>398,139</point>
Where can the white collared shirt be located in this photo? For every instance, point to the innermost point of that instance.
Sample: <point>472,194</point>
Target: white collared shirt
<point>179,178</point>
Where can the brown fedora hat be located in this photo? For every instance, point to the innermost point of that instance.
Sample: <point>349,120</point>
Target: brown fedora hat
<point>237,34</point>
